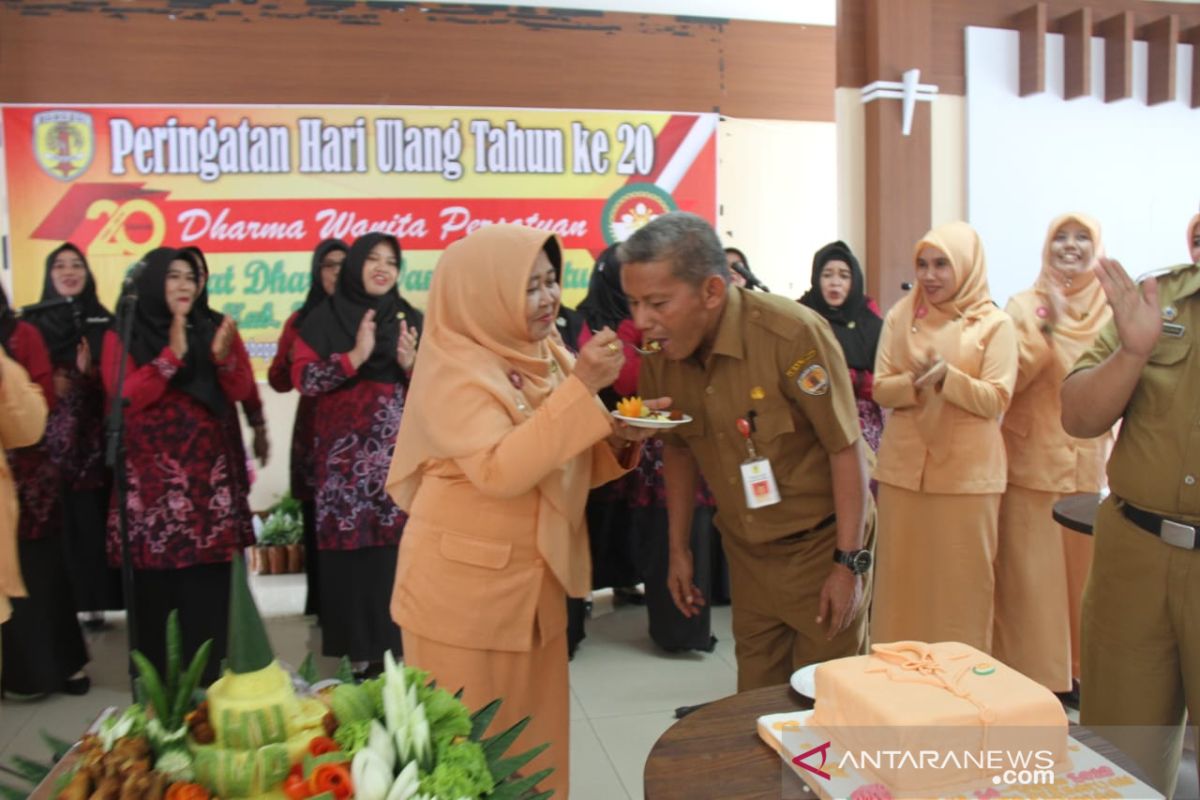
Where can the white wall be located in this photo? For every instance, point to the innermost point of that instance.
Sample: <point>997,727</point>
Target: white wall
<point>777,196</point>
<point>1134,167</point>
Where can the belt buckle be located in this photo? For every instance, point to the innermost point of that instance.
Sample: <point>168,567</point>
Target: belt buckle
<point>1177,534</point>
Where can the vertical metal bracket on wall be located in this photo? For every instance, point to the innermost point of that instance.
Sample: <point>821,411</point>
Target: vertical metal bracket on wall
<point>908,91</point>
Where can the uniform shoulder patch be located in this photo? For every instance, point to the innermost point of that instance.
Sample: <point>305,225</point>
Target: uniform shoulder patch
<point>814,380</point>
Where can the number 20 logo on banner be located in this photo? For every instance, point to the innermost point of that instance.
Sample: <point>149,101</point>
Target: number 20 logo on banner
<point>131,228</point>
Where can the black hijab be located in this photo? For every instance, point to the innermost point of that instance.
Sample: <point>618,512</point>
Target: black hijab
<point>605,304</point>
<point>63,326</point>
<point>332,327</point>
<point>201,308</point>
<point>8,320</point>
<point>316,292</point>
<point>152,331</point>
<point>856,326</point>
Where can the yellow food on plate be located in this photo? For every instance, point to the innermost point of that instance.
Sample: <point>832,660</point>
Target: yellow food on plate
<point>631,407</point>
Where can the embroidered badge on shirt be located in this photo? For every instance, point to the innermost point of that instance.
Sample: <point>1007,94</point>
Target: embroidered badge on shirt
<point>794,369</point>
<point>814,381</point>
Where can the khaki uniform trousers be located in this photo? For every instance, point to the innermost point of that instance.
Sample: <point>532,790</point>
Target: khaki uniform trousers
<point>775,590</point>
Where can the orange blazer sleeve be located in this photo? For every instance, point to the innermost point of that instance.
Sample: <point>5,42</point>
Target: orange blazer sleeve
<point>989,394</point>
<point>568,423</point>
<point>893,387</point>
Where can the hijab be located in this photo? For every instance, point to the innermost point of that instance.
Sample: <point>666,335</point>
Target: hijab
<point>856,327</point>
<point>921,325</point>
<point>151,331</point>
<point>476,355</point>
<point>332,326</point>
<point>605,305</point>
<point>63,326</point>
<point>316,290</point>
<point>1087,309</point>
<point>8,319</point>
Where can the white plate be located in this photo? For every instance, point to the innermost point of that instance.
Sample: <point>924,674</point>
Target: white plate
<point>804,681</point>
<point>646,422</point>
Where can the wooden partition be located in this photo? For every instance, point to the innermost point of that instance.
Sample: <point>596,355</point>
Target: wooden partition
<point>291,51</point>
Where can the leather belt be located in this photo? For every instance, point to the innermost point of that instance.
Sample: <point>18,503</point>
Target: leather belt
<point>1178,534</point>
<point>791,537</point>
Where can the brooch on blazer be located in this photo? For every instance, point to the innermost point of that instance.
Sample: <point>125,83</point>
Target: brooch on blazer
<point>516,380</point>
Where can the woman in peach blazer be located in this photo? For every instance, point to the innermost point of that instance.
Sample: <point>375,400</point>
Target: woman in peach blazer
<point>22,422</point>
<point>1040,566</point>
<point>501,440</point>
<point>946,365</point>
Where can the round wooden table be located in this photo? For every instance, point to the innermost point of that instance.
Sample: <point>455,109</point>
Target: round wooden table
<point>1077,511</point>
<point>715,752</point>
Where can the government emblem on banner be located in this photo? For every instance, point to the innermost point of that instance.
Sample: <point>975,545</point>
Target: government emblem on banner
<point>64,143</point>
<point>631,207</point>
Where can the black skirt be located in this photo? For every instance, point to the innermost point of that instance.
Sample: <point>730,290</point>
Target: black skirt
<point>312,600</point>
<point>201,594</point>
<point>356,599</point>
<point>42,644</point>
<point>97,586</point>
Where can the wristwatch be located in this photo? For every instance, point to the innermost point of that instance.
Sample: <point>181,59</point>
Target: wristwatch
<point>857,561</point>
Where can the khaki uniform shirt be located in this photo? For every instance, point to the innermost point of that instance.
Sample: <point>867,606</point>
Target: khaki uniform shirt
<point>780,359</point>
<point>1156,462</point>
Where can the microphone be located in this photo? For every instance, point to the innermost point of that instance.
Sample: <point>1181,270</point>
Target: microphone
<point>906,286</point>
<point>45,305</point>
<point>129,285</point>
<point>752,282</point>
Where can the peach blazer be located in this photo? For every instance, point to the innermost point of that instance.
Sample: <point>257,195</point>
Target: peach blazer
<point>22,423</point>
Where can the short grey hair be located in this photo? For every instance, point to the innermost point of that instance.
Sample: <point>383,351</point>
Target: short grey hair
<point>687,241</point>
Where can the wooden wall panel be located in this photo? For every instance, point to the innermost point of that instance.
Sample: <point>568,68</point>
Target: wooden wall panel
<point>950,17</point>
<point>1117,32</point>
<point>897,167</point>
<point>291,51</point>
<point>1163,39</point>
<point>1031,23</point>
<point>1076,29</point>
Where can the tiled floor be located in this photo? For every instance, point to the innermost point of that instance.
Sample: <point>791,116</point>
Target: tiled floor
<point>623,690</point>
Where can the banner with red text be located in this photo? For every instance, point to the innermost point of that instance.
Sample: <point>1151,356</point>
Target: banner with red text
<point>257,188</point>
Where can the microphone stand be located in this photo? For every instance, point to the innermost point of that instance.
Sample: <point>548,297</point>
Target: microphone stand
<point>115,459</point>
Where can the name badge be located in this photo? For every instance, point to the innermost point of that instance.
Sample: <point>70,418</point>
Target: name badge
<point>758,482</point>
<point>1173,329</point>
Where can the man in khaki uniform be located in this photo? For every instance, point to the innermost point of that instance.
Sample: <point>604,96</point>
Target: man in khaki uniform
<point>1141,608</point>
<point>799,567</point>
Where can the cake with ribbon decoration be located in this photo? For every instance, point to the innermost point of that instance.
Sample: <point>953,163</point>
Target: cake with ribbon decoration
<point>922,717</point>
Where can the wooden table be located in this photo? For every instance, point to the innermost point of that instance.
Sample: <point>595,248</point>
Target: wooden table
<point>715,753</point>
<point>1077,511</point>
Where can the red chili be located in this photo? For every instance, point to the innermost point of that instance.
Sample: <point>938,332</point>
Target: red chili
<point>331,778</point>
<point>295,787</point>
<point>321,745</point>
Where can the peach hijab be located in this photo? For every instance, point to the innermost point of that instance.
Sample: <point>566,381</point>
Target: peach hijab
<point>922,326</point>
<point>475,357</point>
<point>1087,308</point>
<point>925,325</point>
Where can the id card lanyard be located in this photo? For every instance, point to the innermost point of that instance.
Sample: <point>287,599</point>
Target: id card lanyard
<point>758,481</point>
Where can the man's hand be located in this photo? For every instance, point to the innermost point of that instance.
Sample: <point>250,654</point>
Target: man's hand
<point>687,596</point>
<point>1135,311</point>
<point>841,597</point>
